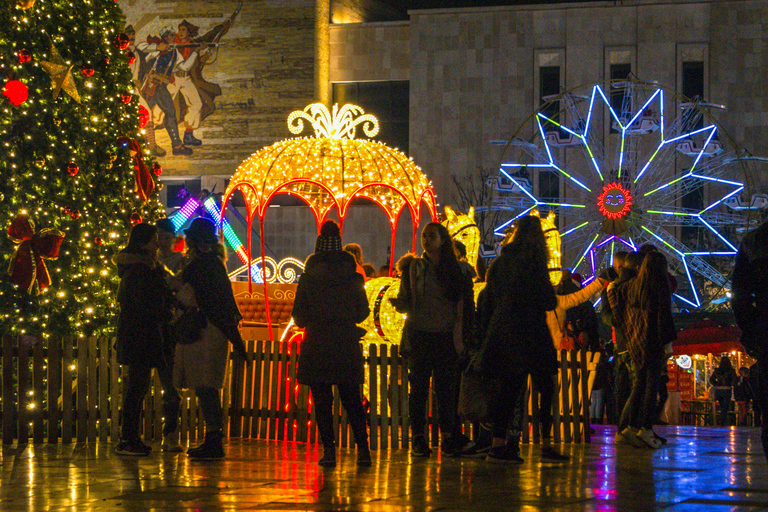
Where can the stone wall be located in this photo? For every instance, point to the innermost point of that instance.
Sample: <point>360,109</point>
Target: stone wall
<point>264,67</point>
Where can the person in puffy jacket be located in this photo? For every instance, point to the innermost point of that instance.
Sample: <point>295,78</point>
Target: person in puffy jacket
<point>330,301</point>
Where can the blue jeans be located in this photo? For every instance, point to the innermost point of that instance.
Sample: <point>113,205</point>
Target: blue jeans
<point>597,404</point>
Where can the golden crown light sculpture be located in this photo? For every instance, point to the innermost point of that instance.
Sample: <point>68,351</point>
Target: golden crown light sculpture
<point>329,170</point>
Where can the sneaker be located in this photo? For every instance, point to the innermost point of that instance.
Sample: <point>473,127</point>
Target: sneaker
<point>620,439</point>
<point>479,448</point>
<point>157,151</point>
<point>420,448</point>
<point>549,454</point>
<point>181,150</point>
<point>135,448</point>
<point>662,440</point>
<point>190,139</point>
<point>648,439</point>
<point>171,443</point>
<point>630,434</point>
<point>504,454</point>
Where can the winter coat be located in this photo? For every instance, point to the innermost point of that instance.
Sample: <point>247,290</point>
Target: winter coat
<point>207,286</point>
<point>724,377</point>
<point>410,299</point>
<point>750,292</point>
<point>516,301</point>
<point>141,296</point>
<point>606,313</point>
<point>645,331</point>
<point>330,301</point>
<point>556,318</point>
<point>742,391</point>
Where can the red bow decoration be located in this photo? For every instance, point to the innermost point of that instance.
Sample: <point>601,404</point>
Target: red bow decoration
<point>28,263</point>
<point>144,182</point>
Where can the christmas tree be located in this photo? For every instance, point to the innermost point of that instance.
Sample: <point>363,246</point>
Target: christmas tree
<point>72,177</point>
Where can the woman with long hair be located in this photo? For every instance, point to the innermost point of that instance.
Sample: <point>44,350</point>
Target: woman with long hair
<point>201,365</point>
<point>517,340</point>
<point>330,302</point>
<point>642,309</point>
<point>437,297</point>
<point>141,296</point>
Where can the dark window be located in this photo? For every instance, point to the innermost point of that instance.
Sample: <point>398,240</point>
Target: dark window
<point>177,192</point>
<point>693,79</point>
<point>387,101</point>
<point>619,73</point>
<point>549,185</point>
<point>693,88</point>
<point>549,85</point>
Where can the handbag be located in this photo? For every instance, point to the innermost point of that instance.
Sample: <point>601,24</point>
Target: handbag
<point>188,327</point>
<point>475,395</point>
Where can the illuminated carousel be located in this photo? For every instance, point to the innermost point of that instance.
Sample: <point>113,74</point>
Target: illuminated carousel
<point>327,172</point>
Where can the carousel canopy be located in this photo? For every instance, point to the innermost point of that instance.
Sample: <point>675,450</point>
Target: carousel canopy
<point>333,168</point>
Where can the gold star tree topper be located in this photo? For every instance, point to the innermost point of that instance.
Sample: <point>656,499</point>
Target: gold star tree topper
<point>61,75</point>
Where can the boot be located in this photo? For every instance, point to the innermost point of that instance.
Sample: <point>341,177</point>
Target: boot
<point>210,449</point>
<point>329,457</point>
<point>363,456</point>
<point>190,139</point>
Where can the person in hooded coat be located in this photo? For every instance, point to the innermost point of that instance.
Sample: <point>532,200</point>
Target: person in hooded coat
<point>330,301</point>
<point>141,296</point>
<point>202,365</point>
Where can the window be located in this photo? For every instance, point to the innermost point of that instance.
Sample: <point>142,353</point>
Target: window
<point>549,85</point>
<point>619,72</point>
<point>387,101</point>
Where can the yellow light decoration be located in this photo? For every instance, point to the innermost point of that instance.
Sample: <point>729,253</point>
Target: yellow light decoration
<point>463,229</point>
<point>552,237</point>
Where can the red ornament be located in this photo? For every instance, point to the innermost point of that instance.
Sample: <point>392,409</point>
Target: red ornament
<point>126,98</point>
<point>24,56</point>
<point>16,92</point>
<point>143,116</point>
<point>87,70</point>
<point>135,219</point>
<point>73,168</point>
<point>97,241</point>
<point>65,209</point>
<point>131,58</point>
<point>122,41</point>
<point>157,169</point>
<point>75,214</point>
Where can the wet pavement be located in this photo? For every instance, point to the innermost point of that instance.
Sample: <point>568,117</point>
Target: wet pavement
<point>701,469</point>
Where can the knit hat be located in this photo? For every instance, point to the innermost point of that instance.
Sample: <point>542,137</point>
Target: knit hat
<point>201,230</point>
<point>330,237</point>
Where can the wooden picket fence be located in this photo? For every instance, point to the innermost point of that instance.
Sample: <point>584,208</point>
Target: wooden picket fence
<point>69,390</point>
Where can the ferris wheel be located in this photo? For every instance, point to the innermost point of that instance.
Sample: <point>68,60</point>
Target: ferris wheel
<point>635,164</point>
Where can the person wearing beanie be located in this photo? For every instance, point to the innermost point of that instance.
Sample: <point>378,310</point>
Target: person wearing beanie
<point>202,364</point>
<point>166,236</point>
<point>330,302</point>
